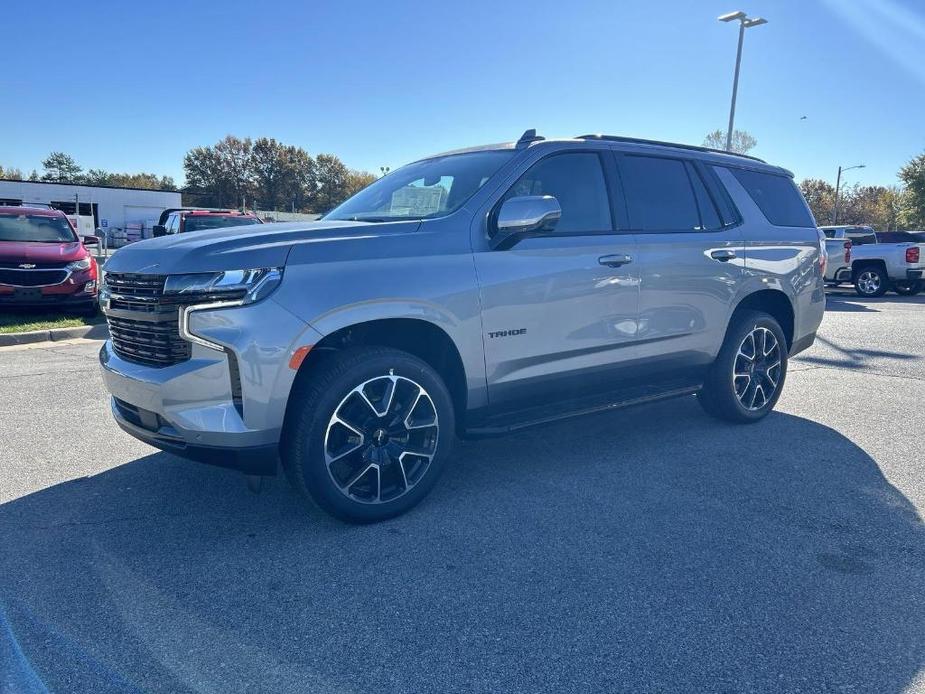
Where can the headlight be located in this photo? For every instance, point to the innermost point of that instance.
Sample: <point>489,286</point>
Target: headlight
<point>247,285</point>
<point>79,265</point>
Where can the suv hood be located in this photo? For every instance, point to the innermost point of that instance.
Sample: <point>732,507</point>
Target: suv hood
<point>34,252</point>
<point>239,248</point>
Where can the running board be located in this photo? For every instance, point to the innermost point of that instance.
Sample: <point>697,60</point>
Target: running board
<point>535,416</point>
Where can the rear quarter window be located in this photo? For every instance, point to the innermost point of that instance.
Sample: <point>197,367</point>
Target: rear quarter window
<point>777,197</point>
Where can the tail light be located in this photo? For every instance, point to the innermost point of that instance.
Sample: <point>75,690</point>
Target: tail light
<point>912,254</point>
<point>847,252</point>
<point>823,254</point>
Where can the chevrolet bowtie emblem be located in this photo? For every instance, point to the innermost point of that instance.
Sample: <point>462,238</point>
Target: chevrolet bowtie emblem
<point>27,266</point>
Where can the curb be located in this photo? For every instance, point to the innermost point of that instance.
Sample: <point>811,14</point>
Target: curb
<point>99,331</point>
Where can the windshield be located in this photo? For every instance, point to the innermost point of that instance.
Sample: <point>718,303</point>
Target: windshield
<point>429,188</point>
<point>36,228</point>
<point>198,223</point>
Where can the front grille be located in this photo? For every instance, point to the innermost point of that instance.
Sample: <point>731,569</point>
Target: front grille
<point>31,278</point>
<point>144,327</point>
<point>144,322</point>
<point>132,292</point>
<point>148,342</point>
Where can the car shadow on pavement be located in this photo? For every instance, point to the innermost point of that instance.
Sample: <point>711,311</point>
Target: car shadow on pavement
<point>850,358</point>
<point>647,550</point>
<point>845,304</point>
<point>848,300</point>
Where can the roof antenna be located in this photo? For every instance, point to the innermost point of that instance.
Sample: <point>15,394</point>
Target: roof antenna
<point>528,137</point>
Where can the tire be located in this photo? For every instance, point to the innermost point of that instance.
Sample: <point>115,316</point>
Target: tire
<point>368,435</point>
<point>907,288</point>
<point>736,398</point>
<point>871,281</point>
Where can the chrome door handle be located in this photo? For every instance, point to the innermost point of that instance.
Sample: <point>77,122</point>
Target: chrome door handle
<point>615,260</point>
<point>723,255</point>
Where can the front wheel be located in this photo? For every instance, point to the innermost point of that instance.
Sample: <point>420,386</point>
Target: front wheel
<point>746,380</point>
<point>367,436</point>
<point>907,288</point>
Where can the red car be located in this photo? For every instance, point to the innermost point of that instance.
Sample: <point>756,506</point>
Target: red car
<point>186,219</point>
<point>44,263</point>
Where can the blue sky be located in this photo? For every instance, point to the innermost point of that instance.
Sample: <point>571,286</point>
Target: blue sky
<point>129,86</point>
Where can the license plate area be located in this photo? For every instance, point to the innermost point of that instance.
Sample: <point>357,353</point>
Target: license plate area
<point>27,294</point>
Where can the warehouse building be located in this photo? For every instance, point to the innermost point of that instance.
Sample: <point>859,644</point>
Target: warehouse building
<point>123,214</point>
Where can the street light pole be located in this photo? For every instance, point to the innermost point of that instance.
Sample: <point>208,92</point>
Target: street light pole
<point>735,87</point>
<point>838,186</point>
<point>744,23</point>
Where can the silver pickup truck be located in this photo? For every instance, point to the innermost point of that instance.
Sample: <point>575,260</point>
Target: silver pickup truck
<point>875,261</point>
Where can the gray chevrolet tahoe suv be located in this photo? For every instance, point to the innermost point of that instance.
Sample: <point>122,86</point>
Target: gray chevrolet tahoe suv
<point>468,293</point>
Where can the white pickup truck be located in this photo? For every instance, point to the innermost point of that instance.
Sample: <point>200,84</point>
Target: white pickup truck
<point>875,261</point>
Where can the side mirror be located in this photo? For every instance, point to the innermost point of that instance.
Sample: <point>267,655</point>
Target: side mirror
<point>90,241</point>
<point>159,230</point>
<point>524,216</point>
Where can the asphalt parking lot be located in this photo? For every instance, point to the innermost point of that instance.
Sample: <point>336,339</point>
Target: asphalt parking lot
<point>651,549</point>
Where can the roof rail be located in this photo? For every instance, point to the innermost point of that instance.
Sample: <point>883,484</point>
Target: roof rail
<point>528,137</point>
<point>642,141</point>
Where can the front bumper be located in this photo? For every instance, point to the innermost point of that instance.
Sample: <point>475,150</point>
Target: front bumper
<point>251,460</point>
<point>34,297</point>
<point>72,291</point>
<point>189,408</point>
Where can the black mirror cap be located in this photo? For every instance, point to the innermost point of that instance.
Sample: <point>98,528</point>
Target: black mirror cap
<point>159,230</point>
<point>90,241</point>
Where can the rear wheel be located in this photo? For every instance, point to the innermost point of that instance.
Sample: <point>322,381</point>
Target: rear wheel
<point>368,435</point>
<point>871,281</point>
<point>746,380</point>
<point>907,287</point>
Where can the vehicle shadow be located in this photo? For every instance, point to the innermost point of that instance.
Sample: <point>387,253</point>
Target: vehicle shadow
<point>843,357</point>
<point>843,299</point>
<point>845,304</point>
<point>647,550</point>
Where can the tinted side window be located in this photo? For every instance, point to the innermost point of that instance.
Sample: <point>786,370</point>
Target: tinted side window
<point>861,239</point>
<point>659,196</point>
<point>777,197</point>
<point>576,180</point>
<point>895,237</point>
<point>709,217</point>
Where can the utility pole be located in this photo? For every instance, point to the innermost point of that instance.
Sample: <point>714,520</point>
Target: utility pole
<point>838,187</point>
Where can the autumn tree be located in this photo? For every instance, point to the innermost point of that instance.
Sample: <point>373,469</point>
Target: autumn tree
<point>223,174</point>
<point>912,213</point>
<point>269,173</point>
<point>820,196</point>
<point>890,207</point>
<point>742,141</point>
<point>11,173</point>
<point>357,181</point>
<point>331,174</point>
<point>284,175</point>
